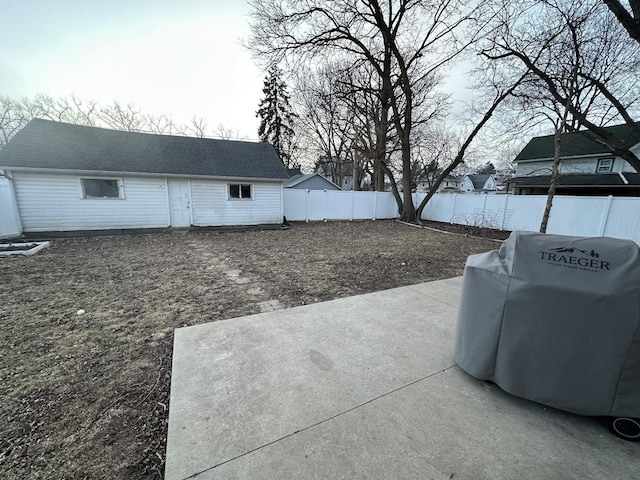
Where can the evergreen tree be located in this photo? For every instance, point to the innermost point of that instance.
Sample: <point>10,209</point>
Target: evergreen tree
<point>487,168</point>
<point>276,116</point>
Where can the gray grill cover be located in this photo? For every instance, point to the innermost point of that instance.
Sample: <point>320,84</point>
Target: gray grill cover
<point>555,319</point>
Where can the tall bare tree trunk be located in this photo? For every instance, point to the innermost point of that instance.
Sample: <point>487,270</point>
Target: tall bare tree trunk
<point>555,175</point>
<point>561,126</point>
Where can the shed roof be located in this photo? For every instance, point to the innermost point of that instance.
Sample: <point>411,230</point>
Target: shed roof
<point>44,144</point>
<point>303,177</point>
<point>577,143</point>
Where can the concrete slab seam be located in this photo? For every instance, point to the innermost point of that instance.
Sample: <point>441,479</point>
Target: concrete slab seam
<point>194,475</point>
<point>438,299</point>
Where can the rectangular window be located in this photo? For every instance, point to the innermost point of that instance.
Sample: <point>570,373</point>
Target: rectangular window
<point>101,188</point>
<point>605,165</point>
<point>240,191</point>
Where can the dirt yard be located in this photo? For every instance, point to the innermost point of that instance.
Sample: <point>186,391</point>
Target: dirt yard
<point>86,395</point>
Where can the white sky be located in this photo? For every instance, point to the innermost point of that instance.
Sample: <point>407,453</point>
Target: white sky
<point>176,57</point>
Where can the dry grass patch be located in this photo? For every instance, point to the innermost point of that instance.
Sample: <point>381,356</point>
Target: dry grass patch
<point>86,396</point>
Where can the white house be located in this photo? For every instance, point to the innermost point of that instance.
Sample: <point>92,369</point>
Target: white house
<point>450,184</point>
<point>586,166</point>
<point>69,177</point>
<point>480,183</point>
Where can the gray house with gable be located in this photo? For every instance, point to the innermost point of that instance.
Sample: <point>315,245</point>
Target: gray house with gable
<point>586,166</point>
<point>69,177</point>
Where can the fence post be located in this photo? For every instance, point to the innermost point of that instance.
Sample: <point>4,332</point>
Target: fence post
<point>504,210</point>
<point>326,205</point>
<point>605,216</point>
<point>484,207</point>
<point>351,210</point>
<point>453,214</point>
<point>375,204</point>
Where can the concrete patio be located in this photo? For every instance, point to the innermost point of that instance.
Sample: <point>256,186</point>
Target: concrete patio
<point>364,387</point>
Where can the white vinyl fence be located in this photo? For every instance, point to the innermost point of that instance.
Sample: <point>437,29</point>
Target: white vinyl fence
<point>9,217</point>
<point>617,217</point>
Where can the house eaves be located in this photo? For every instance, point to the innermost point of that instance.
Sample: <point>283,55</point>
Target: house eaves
<point>565,158</point>
<point>112,173</point>
<point>579,180</point>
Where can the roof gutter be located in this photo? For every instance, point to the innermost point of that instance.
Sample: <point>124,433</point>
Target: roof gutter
<point>624,179</point>
<point>62,171</point>
<point>571,157</point>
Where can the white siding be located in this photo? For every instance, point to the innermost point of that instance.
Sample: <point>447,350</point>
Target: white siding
<point>467,185</point>
<point>50,202</point>
<point>211,206</point>
<point>583,165</point>
<point>490,184</point>
<point>10,225</point>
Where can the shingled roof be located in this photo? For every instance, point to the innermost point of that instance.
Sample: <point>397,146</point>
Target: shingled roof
<point>479,179</point>
<point>577,143</point>
<point>43,144</point>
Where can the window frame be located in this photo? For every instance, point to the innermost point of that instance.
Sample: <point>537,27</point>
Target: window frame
<point>240,196</point>
<point>608,161</point>
<point>119,183</point>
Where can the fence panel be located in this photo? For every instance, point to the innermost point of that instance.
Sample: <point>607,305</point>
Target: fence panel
<point>295,204</point>
<point>364,205</point>
<point>9,217</point>
<point>623,219</point>
<point>579,216</point>
<point>314,205</point>
<point>338,205</point>
<point>386,206</point>
<point>526,212</point>
<point>583,216</point>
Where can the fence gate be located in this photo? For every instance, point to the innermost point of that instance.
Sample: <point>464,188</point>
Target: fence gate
<point>10,225</point>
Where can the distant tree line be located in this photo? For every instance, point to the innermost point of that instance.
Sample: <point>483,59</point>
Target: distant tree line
<point>16,113</point>
<point>367,78</point>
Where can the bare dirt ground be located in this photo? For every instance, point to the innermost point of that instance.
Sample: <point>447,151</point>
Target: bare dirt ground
<point>87,396</point>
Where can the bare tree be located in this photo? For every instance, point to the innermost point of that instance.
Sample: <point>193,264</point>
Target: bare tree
<point>542,37</point>
<point>15,114</point>
<point>500,94</point>
<point>12,119</point>
<point>325,119</point>
<point>405,42</point>
<point>630,20</point>
<point>123,117</point>
<point>160,124</point>
<point>226,133</point>
<point>196,127</point>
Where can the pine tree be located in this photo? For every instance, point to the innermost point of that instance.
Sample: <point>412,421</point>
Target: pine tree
<point>276,116</point>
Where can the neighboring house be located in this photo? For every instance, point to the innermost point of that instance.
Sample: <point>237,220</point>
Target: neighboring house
<point>450,184</point>
<point>70,177</point>
<point>586,166</point>
<point>310,181</point>
<point>479,183</point>
<point>339,172</point>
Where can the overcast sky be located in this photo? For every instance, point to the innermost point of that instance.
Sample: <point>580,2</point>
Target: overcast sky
<point>176,57</point>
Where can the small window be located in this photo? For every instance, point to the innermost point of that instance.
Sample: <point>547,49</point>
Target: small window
<point>240,191</point>
<point>101,188</point>
<point>605,165</point>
